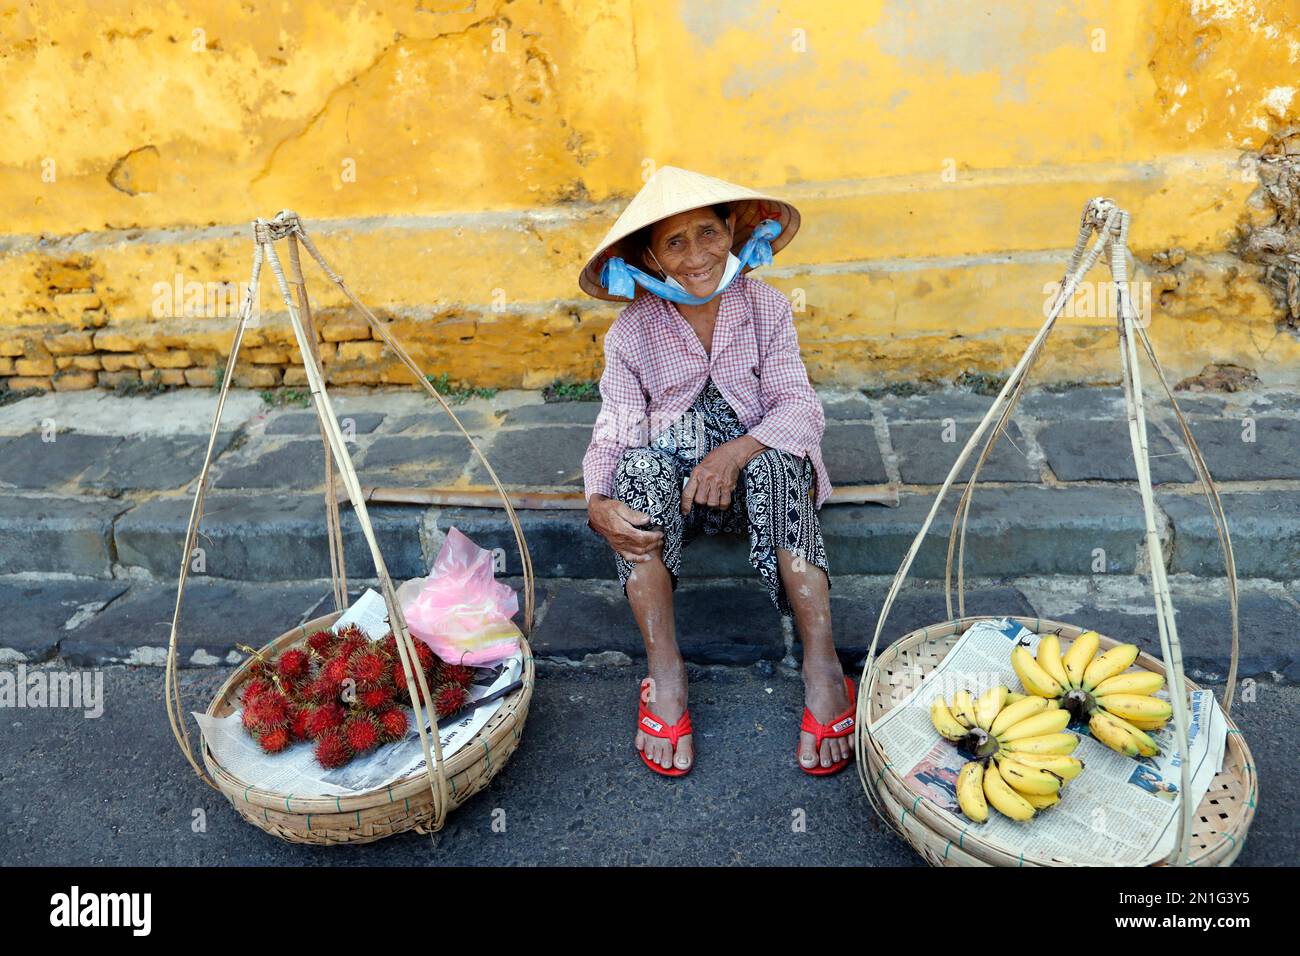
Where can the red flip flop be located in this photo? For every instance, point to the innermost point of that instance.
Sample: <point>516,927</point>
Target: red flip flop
<point>650,723</point>
<point>840,726</point>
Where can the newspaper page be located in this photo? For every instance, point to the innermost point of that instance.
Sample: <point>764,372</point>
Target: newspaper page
<point>1120,811</point>
<point>295,772</point>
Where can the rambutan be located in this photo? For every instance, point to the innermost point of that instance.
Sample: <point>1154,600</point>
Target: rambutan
<point>393,723</point>
<point>374,698</point>
<point>324,718</point>
<point>273,741</point>
<point>294,664</point>
<point>362,733</point>
<point>424,654</point>
<point>298,722</point>
<point>268,710</point>
<point>335,672</point>
<point>256,686</point>
<point>367,667</point>
<point>449,699</point>
<point>332,750</point>
<point>458,674</point>
<point>322,643</point>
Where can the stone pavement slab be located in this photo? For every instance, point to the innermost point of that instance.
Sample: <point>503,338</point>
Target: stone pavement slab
<point>66,535</point>
<point>1101,451</point>
<point>152,463</point>
<point>306,424</point>
<point>31,462</point>
<point>261,537</point>
<point>414,459</point>
<point>553,413</point>
<point>926,452</point>
<point>852,455</point>
<point>40,615</point>
<point>294,466</point>
<point>535,457</point>
<point>436,419</point>
<point>1260,449</point>
<point>1264,526</point>
<point>934,407</point>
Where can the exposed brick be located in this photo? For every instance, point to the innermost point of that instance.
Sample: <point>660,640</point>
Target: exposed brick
<point>75,381</point>
<point>89,362</point>
<point>260,376</point>
<point>116,340</point>
<point>266,356</point>
<point>361,351</point>
<point>6,365</point>
<point>118,362</point>
<point>113,379</point>
<point>12,347</point>
<point>200,377</point>
<point>295,375</point>
<point>20,382</point>
<point>344,328</point>
<point>171,376</point>
<point>35,366</point>
<point>70,343</point>
<point>172,358</point>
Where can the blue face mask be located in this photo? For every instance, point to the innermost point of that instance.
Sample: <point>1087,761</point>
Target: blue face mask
<point>621,279</point>
<point>728,273</point>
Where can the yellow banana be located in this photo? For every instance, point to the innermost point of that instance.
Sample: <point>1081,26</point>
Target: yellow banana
<point>1121,736</point>
<point>970,792</point>
<point>1146,746</point>
<point>1079,656</point>
<point>1065,767</point>
<point>1042,802</point>
<point>1061,743</point>
<point>1130,706</point>
<point>989,704</point>
<point>1036,680</point>
<point>1049,657</point>
<point>1004,799</point>
<point>1147,724</point>
<point>1013,714</point>
<point>1138,682</point>
<point>1114,662</point>
<point>944,722</point>
<point>1012,697</point>
<point>1047,722</point>
<point>963,708</point>
<point>1025,779</point>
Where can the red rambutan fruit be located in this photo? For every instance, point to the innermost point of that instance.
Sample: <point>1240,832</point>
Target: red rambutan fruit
<point>449,699</point>
<point>393,723</point>
<point>322,643</point>
<point>367,667</point>
<point>294,664</point>
<point>362,733</point>
<point>458,674</point>
<point>374,698</point>
<point>332,750</point>
<point>256,686</point>
<point>324,718</point>
<point>273,741</point>
<point>298,722</point>
<point>335,672</point>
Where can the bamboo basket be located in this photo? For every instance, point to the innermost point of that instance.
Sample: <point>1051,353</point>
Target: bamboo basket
<point>1211,834</point>
<point>419,801</point>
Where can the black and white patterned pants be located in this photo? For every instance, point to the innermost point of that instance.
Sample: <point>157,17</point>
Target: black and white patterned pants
<point>771,500</point>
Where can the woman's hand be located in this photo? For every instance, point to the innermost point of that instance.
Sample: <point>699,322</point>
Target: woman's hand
<point>713,480</point>
<point>618,523</point>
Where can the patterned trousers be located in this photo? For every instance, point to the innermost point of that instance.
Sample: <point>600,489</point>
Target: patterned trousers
<point>771,501</point>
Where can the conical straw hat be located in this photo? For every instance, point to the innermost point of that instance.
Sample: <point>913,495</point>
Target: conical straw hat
<point>670,191</point>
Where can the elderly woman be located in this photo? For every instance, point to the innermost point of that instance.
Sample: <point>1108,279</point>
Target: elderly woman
<point>709,425</point>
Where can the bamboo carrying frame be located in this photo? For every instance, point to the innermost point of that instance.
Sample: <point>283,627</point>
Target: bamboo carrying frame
<point>1216,828</point>
<point>420,801</point>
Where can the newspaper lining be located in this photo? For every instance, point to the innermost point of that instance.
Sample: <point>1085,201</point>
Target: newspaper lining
<point>1120,811</point>
<point>295,771</point>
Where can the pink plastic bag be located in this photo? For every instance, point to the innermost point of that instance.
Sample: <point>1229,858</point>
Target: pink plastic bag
<point>462,612</point>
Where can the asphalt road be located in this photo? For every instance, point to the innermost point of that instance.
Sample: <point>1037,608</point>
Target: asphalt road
<point>114,790</point>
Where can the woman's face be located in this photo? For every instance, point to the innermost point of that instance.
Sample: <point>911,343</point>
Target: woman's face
<point>692,247</point>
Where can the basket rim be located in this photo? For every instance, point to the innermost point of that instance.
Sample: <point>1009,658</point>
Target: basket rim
<point>882,769</point>
<point>513,711</point>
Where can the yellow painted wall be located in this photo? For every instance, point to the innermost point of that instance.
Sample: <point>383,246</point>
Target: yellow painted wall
<point>458,158</point>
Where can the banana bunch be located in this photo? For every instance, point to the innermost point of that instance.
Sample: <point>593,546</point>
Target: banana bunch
<point>1118,706</point>
<point>1019,750</point>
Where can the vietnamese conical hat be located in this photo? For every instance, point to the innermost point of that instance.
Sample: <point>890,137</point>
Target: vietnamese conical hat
<point>671,191</point>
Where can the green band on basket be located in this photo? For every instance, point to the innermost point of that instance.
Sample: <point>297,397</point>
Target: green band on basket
<point>391,798</point>
<point>309,821</point>
<point>946,849</point>
<point>452,781</point>
<point>338,804</point>
<point>915,802</point>
<point>487,754</point>
<point>358,818</point>
<point>287,808</point>
<point>246,800</point>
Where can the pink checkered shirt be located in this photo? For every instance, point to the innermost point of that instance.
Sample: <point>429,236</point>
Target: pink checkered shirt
<point>655,365</point>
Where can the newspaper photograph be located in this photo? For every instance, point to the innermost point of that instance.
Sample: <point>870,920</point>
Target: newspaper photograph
<point>1120,811</point>
<point>295,770</point>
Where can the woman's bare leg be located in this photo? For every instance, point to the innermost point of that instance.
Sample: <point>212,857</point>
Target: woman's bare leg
<point>808,591</point>
<point>650,592</point>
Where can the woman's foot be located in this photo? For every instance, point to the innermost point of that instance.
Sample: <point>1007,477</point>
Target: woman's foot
<point>827,697</point>
<point>664,693</point>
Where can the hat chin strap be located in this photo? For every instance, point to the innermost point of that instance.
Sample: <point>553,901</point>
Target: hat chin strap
<point>620,279</point>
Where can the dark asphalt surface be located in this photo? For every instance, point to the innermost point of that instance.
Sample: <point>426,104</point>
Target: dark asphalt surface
<point>116,791</point>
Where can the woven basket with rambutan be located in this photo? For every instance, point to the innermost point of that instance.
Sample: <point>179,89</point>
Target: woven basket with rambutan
<point>343,692</point>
